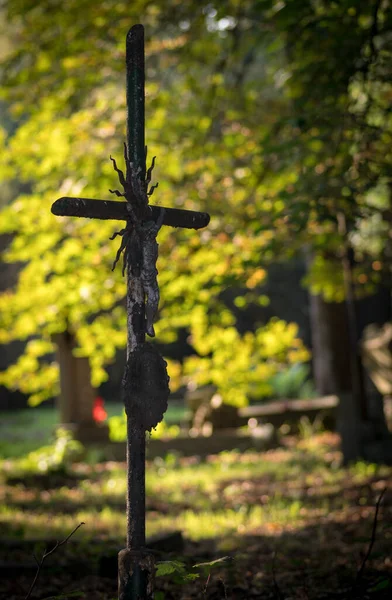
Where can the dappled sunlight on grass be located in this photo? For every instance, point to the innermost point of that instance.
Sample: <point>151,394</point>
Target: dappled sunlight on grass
<point>227,495</point>
<point>204,524</point>
<point>41,525</point>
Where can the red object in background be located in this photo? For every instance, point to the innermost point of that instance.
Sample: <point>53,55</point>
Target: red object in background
<point>99,412</point>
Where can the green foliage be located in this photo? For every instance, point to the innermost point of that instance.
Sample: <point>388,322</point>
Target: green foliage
<point>177,570</point>
<point>323,277</point>
<point>383,584</point>
<point>54,458</point>
<point>163,430</point>
<point>243,366</point>
<point>118,429</point>
<point>363,469</point>
<point>307,428</point>
<point>292,383</point>
<point>180,574</point>
<point>273,116</point>
<point>33,376</point>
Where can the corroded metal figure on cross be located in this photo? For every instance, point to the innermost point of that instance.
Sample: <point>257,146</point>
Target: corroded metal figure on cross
<point>145,382</point>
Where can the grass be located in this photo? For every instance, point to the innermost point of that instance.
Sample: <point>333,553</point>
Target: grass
<point>297,495</point>
<point>230,493</point>
<point>27,430</point>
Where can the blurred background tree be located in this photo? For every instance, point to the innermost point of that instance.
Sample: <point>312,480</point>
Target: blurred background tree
<point>274,116</point>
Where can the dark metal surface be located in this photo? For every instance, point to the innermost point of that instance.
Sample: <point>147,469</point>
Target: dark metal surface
<point>108,209</point>
<point>136,443</point>
<point>135,98</point>
<point>136,495</point>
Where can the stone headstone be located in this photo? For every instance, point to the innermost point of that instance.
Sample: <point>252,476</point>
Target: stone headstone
<point>77,395</point>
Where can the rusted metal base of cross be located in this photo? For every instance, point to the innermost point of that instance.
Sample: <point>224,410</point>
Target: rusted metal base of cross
<point>135,574</point>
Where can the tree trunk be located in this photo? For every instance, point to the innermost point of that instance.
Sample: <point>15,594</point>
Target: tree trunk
<point>330,342</point>
<point>332,369</point>
<point>337,369</point>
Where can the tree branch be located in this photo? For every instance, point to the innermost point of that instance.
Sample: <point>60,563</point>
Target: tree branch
<point>45,555</point>
<point>371,543</point>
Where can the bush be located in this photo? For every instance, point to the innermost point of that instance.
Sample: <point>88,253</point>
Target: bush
<point>53,458</point>
<point>293,382</point>
<point>243,366</point>
<point>118,429</point>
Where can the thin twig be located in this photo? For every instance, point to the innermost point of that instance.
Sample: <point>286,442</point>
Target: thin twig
<point>45,555</point>
<point>207,582</point>
<point>223,587</point>
<point>371,543</point>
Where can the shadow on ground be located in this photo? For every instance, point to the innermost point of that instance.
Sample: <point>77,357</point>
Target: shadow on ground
<point>318,561</point>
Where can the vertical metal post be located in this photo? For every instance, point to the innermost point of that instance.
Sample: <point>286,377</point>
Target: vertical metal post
<point>135,98</point>
<point>135,135</point>
<point>135,563</point>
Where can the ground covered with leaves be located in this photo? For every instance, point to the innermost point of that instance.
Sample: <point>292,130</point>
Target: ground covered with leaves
<point>289,523</point>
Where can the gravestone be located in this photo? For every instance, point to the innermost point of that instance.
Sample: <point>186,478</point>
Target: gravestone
<point>76,399</point>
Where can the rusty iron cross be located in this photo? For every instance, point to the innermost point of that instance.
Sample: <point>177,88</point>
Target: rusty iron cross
<point>145,383</point>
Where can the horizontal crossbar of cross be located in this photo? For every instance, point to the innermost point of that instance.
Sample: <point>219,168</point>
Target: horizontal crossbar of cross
<point>109,209</point>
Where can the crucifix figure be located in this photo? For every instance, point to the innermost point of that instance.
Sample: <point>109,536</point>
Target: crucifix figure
<point>145,382</point>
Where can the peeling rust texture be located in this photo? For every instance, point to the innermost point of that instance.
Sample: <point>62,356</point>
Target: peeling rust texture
<point>117,211</point>
<point>135,304</point>
<point>134,259</point>
<point>146,387</point>
<point>137,323</point>
<point>136,578</point>
<point>136,571</point>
